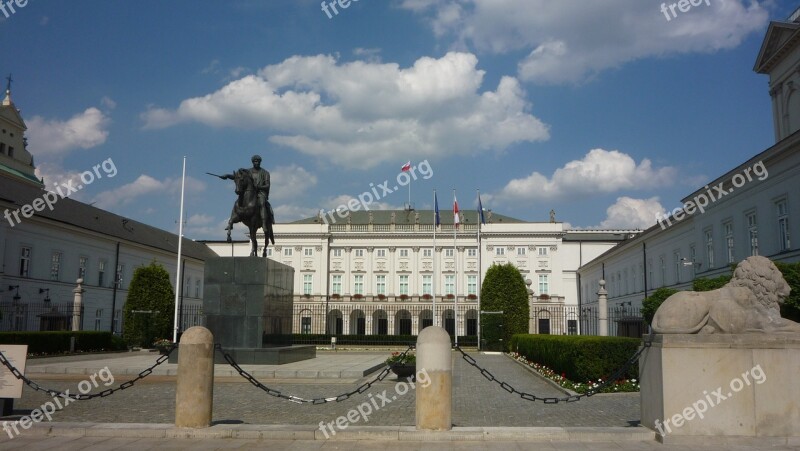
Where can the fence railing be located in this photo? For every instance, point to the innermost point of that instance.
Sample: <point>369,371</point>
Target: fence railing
<point>574,320</point>
<point>354,318</point>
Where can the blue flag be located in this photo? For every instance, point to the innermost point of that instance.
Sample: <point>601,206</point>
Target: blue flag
<point>480,210</point>
<point>436,209</point>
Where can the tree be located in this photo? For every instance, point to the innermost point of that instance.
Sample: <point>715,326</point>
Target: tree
<point>704,284</point>
<point>651,303</point>
<point>504,289</point>
<point>791,307</point>
<point>150,306</point>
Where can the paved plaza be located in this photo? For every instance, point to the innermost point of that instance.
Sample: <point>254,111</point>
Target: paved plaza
<point>484,415</point>
<point>476,401</point>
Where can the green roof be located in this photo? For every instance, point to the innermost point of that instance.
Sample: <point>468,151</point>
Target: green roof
<point>408,217</point>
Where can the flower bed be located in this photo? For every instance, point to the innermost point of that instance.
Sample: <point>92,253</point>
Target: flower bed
<point>620,386</point>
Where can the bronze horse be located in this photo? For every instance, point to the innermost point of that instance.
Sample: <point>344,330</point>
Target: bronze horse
<point>247,211</point>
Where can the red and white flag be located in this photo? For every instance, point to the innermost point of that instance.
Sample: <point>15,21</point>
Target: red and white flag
<point>406,167</point>
<point>456,220</point>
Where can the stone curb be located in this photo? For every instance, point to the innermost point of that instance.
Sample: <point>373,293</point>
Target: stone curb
<point>352,433</point>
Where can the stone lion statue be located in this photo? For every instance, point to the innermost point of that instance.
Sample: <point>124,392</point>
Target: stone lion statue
<point>749,303</point>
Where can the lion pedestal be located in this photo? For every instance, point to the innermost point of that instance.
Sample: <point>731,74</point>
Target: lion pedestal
<point>717,385</point>
<point>726,363</point>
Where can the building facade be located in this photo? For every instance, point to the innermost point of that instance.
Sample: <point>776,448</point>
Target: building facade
<point>378,272</point>
<point>45,249</point>
<point>753,209</point>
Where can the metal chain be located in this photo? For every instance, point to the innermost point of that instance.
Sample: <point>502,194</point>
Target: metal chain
<point>81,396</point>
<point>555,400</point>
<point>297,399</point>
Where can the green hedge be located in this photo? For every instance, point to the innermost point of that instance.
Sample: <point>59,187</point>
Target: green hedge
<point>59,342</point>
<point>325,339</point>
<point>581,358</point>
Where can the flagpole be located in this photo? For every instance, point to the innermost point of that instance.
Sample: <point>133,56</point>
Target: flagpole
<point>409,194</point>
<point>178,282</point>
<point>480,216</point>
<point>455,261</point>
<point>433,279</point>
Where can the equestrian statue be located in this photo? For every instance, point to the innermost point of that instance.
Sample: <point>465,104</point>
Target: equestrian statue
<point>252,207</point>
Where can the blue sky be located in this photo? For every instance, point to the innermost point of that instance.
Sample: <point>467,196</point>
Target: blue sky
<point>604,111</point>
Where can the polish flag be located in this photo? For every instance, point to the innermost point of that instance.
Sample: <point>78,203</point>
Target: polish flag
<point>406,167</point>
<point>455,211</point>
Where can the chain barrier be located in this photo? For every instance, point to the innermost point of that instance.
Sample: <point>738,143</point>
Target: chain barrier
<point>297,399</point>
<point>84,397</point>
<point>555,400</point>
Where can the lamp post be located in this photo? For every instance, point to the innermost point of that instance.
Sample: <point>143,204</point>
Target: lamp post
<point>46,296</point>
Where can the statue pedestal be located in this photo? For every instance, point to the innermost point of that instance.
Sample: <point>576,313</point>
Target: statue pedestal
<point>247,302</point>
<point>723,386</point>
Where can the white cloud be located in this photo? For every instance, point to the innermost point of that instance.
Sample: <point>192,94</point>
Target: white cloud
<point>108,102</point>
<point>360,114</point>
<point>290,181</point>
<point>55,175</point>
<point>629,213</point>
<point>373,55</point>
<point>568,41</point>
<point>144,186</point>
<point>50,137</point>
<point>287,213</point>
<point>600,171</point>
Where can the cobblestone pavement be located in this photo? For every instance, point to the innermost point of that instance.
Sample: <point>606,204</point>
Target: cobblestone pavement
<point>477,402</point>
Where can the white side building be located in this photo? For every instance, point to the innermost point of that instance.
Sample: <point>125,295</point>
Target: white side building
<point>43,255</point>
<point>758,214</point>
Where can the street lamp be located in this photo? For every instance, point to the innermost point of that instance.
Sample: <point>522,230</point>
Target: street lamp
<point>46,296</point>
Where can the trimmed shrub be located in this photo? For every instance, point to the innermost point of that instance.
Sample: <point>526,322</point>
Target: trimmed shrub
<point>581,358</point>
<point>59,342</point>
<point>703,284</point>
<point>504,289</point>
<point>151,291</point>
<point>378,340</point>
<point>651,303</point>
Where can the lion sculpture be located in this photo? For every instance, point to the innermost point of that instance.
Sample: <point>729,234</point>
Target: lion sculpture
<point>749,303</point>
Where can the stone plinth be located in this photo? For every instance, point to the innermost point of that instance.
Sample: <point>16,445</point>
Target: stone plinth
<point>248,301</point>
<point>721,385</point>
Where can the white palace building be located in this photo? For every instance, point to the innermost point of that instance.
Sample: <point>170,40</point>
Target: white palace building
<point>376,272</point>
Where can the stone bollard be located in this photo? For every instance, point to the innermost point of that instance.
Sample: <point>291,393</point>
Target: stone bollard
<point>434,400</point>
<point>195,390</point>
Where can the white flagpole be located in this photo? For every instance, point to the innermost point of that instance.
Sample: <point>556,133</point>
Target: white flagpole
<point>455,268</point>
<point>178,282</point>
<point>433,279</point>
<point>480,213</point>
